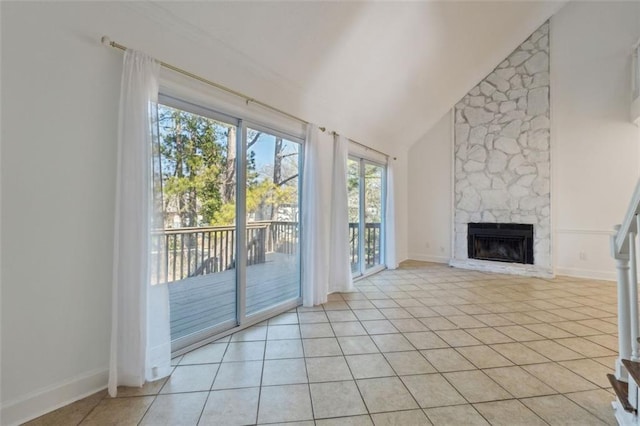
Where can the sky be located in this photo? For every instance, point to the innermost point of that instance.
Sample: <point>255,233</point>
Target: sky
<point>264,150</point>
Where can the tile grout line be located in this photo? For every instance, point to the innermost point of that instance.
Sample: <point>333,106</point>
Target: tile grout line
<point>264,356</point>
<point>502,296</point>
<point>364,403</point>
<point>215,376</point>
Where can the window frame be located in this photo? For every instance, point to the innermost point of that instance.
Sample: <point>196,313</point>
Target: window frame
<point>363,271</point>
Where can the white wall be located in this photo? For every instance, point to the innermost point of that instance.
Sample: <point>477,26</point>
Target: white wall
<point>429,194</point>
<point>595,148</point>
<point>59,101</point>
<point>59,121</point>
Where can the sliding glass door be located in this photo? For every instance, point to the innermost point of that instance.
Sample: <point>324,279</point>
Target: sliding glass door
<point>227,240</point>
<point>273,212</point>
<point>366,191</point>
<point>372,208</point>
<point>194,244</point>
<point>353,188</point>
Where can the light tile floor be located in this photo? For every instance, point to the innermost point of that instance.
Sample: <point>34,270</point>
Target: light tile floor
<point>425,344</point>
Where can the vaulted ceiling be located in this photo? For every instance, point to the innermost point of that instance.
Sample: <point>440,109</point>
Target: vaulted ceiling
<point>381,73</point>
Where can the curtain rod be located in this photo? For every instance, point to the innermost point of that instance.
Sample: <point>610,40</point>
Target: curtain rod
<point>248,99</point>
<point>368,148</point>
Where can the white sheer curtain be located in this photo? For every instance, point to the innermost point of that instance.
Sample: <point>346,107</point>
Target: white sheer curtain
<point>314,234</point>
<point>340,279</point>
<point>390,220</point>
<point>140,339</point>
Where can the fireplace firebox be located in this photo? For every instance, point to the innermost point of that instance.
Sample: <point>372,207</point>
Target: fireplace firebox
<point>502,242</point>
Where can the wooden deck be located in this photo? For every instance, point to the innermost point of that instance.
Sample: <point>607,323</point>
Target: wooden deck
<point>204,301</point>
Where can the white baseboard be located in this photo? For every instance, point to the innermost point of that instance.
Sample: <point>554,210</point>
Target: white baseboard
<point>587,273</point>
<point>429,258</point>
<point>37,403</point>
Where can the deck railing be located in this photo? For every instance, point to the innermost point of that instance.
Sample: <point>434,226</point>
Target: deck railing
<point>179,253</point>
<point>282,237</point>
<point>372,243</point>
<point>187,252</point>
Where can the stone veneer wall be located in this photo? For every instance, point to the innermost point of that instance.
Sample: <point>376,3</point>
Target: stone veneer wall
<point>502,157</point>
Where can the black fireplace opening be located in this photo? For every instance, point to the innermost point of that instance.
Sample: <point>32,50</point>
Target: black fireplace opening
<point>501,242</point>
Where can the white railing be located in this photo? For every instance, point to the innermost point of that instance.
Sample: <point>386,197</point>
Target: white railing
<point>624,251</point>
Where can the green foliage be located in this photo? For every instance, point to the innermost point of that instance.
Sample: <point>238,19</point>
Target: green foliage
<point>259,195</point>
<point>193,157</point>
<point>226,215</point>
<point>372,191</point>
<point>198,172</point>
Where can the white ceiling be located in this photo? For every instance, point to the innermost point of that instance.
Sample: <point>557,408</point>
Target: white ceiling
<point>381,73</point>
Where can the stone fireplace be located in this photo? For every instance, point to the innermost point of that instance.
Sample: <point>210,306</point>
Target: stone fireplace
<point>502,161</point>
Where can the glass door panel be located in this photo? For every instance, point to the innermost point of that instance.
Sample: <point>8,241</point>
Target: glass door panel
<point>353,189</point>
<point>373,206</point>
<point>273,216</point>
<point>194,242</point>
<point>365,183</point>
